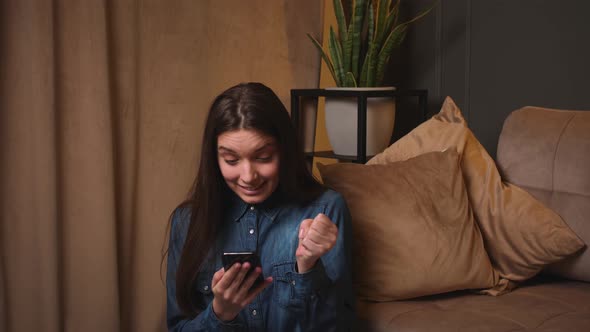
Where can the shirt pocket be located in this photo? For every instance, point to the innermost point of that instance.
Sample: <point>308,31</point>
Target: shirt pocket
<point>284,286</point>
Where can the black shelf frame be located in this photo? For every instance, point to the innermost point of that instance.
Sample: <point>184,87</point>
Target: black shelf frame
<point>361,156</point>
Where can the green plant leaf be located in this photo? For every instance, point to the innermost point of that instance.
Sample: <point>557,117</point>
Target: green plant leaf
<point>347,50</point>
<point>395,12</point>
<point>336,53</point>
<point>372,66</point>
<point>381,72</point>
<point>382,11</point>
<point>371,23</point>
<point>343,35</point>
<point>394,39</point>
<point>349,80</point>
<point>341,20</point>
<point>324,57</point>
<point>363,82</point>
<point>389,23</point>
<point>372,52</point>
<point>419,16</point>
<point>357,21</point>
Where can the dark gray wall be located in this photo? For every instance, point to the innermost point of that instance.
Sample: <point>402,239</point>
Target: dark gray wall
<point>493,57</point>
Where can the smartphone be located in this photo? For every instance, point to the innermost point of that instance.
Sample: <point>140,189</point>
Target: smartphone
<point>230,258</point>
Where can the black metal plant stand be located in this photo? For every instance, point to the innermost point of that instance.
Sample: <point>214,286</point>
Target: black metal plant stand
<point>361,156</point>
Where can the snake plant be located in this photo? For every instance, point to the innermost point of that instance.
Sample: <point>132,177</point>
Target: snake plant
<point>348,66</point>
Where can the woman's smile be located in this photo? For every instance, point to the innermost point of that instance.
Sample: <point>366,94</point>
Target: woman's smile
<point>252,190</point>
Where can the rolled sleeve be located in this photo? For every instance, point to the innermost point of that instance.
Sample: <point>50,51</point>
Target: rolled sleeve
<point>309,284</point>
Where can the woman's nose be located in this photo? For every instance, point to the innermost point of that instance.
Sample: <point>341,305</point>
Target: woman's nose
<point>249,174</point>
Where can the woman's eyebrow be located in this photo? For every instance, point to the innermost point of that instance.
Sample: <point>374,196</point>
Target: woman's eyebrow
<point>263,147</point>
<point>224,149</point>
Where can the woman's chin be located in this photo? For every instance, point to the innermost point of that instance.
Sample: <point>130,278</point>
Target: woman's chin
<point>253,199</point>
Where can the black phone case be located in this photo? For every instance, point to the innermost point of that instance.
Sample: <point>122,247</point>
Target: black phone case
<point>229,259</point>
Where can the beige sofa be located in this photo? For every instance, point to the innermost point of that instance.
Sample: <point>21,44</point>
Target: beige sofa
<point>547,153</point>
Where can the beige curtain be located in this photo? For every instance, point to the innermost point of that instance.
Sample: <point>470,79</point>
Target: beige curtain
<point>102,106</point>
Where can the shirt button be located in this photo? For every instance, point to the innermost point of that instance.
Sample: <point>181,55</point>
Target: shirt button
<point>206,288</point>
<point>251,208</point>
<point>254,312</point>
<point>293,282</point>
<point>251,231</point>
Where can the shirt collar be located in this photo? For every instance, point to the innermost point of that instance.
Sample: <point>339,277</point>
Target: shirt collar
<point>270,207</point>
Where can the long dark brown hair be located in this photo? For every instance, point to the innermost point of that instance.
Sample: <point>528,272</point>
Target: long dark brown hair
<point>245,106</point>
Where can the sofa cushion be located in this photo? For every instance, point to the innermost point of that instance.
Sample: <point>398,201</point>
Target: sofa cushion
<point>547,152</point>
<point>414,230</point>
<point>521,235</point>
<point>538,306</point>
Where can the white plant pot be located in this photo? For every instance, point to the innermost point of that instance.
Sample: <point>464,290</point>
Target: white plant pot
<point>342,117</point>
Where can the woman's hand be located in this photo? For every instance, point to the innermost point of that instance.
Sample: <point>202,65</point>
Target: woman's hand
<point>316,237</point>
<point>231,290</point>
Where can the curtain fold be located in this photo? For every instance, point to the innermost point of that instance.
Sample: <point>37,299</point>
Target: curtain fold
<point>123,40</point>
<point>29,189</point>
<point>102,107</point>
<point>86,179</point>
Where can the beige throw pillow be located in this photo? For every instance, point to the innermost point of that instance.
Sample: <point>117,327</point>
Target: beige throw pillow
<point>520,234</point>
<point>414,230</point>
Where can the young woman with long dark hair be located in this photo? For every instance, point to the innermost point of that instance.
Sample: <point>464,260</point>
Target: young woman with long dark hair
<point>253,192</point>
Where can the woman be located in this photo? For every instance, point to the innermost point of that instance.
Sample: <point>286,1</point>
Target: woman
<point>254,192</point>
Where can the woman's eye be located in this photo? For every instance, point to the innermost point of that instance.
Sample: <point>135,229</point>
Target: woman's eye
<point>231,161</point>
<point>264,159</point>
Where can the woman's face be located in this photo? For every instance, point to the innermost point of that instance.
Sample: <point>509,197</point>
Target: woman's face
<point>249,163</point>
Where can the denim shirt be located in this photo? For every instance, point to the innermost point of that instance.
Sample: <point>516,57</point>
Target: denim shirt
<point>321,299</point>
